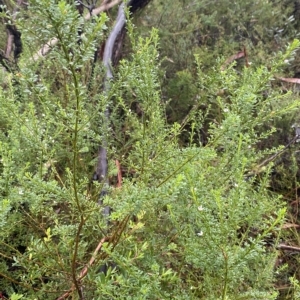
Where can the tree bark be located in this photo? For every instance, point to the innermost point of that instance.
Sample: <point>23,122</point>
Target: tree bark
<point>110,59</point>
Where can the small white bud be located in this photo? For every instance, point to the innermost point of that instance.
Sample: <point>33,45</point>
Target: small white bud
<point>200,208</point>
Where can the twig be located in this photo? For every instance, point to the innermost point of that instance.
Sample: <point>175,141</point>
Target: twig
<point>105,2</point>
<point>119,184</point>
<point>287,247</point>
<point>92,260</point>
<point>85,269</point>
<point>258,168</point>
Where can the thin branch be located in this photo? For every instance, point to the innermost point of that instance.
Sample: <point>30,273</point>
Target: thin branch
<point>288,247</point>
<point>258,168</point>
<point>17,282</point>
<point>114,239</point>
<point>85,269</point>
<point>103,7</point>
<point>51,43</point>
<point>119,184</point>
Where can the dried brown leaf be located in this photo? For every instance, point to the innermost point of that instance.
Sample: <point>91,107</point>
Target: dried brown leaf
<point>232,58</point>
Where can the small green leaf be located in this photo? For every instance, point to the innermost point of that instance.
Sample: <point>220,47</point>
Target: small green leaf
<point>16,296</point>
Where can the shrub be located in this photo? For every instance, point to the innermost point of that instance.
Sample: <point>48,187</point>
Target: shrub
<point>188,223</point>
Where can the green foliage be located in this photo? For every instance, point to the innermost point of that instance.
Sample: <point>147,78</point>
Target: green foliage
<point>213,29</point>
<point>188,223</point>
<point>296,287</point>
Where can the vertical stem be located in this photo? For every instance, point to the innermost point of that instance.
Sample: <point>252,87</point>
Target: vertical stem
<point>224,293</point>
<point>143,148</point>
<point>74,162</point>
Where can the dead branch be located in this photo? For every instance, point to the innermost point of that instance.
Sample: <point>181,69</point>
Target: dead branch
<point>85,269</point>
<point>288,247</point>
<point>119,184</point>
<point>114,239</point>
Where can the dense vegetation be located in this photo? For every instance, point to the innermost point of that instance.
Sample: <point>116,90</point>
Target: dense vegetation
<point>203,160</point>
